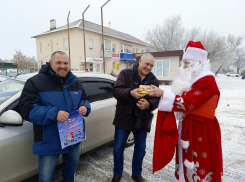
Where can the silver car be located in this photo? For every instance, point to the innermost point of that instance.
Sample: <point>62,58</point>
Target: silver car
<point>17,162</point>
<point>2,78</point>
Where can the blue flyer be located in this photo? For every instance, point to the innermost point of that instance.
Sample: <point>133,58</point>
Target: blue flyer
<point>72,130</point>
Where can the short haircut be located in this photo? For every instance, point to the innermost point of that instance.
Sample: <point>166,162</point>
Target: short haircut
<point>57,52</point>
<point>147,55</point>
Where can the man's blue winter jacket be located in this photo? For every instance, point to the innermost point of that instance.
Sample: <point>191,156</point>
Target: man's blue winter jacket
<point>43,96</point>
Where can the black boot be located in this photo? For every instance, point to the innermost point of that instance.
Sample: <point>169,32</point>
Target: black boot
<point>116,178</point>
<point>138,178</point>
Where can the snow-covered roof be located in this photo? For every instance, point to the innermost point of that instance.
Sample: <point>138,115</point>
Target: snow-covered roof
<point>97,29</point>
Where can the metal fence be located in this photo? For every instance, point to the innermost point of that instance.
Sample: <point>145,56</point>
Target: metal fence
<point>14,72</point>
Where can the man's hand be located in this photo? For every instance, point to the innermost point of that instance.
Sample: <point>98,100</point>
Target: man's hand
<point>135,93</point>
<point>143,104</point>
<point>155,92</point>
<point>83,110</point>
<point>62,116</point>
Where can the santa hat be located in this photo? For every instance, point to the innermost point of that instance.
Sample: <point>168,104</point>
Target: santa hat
<point>195,51</point>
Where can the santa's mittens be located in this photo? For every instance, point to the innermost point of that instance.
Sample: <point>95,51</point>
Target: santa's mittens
<point>184,144</point>
<point>188,164</point>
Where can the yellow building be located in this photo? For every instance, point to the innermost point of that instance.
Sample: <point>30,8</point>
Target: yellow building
<point>118,46</point>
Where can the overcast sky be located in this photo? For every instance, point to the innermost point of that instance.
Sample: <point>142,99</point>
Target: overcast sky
<point>22,19</point>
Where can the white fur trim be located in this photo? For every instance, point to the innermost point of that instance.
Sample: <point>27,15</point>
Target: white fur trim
<point>174,179</point>
<point>184,144</point>
<point>188,164</point>
<point>203,74</point>
<point>167,101</point>
<point>193,53</point>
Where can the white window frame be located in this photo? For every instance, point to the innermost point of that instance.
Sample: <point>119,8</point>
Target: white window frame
<point>162,68</point>
<point>92,45</point>
<point>65,42</point>
<point>129,47</point>
<point>122,48</point>
<point>105,46</point>
<point>114,48</point>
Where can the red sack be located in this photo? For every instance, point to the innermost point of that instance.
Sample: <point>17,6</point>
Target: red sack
<point>166,138</point>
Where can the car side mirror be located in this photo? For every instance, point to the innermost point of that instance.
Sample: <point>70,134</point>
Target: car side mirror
<point>11,118</point>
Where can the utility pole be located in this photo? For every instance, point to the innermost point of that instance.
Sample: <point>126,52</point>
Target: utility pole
<point>69,40</point>
<point>84,39</point>
<point>103,35</point>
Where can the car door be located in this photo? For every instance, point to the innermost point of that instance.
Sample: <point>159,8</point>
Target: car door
<point>98,125</point>
<point>17,160</point>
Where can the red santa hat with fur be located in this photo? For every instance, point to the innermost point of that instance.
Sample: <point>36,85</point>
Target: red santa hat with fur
<point>195,51</point>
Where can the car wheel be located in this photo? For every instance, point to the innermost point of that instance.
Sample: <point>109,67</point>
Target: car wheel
<point>130,140</point>
<point>236,75</point>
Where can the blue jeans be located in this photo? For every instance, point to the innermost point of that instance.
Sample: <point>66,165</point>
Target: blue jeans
<point>47,164</point>
<point>121,137</point>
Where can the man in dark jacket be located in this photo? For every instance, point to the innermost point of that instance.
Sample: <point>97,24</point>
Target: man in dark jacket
<point>47,98</point>
<point>128,101</point>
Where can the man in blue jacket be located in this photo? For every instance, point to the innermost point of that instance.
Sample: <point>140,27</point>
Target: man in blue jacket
<point>47,98</point>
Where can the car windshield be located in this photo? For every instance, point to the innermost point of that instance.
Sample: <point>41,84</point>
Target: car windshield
<point>3,78</point>
<point>8,88</point>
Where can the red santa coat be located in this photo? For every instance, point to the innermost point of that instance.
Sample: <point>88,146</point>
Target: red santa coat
<point>199,150</point>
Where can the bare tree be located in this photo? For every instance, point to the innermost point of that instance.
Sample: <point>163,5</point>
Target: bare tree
<point>171,35</point>
<point>167,36</point>
<point>216,46</point>
<point>234,42</point>
<point>35,66</point>
<point>22,60</point>
<point>238,58</point>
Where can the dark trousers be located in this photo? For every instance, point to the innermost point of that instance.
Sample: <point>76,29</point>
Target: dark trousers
<point>121,137</point>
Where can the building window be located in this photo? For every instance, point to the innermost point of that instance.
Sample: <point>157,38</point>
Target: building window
<point>136,51</point>
<point>148,50</point>
<point>40,47</point>
<point>65,44</point>
<point>127,49</point>
<point>161,68</point>
<point>91,44</point>
<point>114,48</point>
<point>121,47</point>
<point>142,51</point>
<point>107,45</point>
<point>51,46</point>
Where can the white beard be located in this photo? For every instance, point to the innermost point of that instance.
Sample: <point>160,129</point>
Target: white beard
<point>184,81</point>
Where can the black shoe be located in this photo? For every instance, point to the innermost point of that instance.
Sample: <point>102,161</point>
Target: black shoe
<point>138,178</point>
<point>116,178</point>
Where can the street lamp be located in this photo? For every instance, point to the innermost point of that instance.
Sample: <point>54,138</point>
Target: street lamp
<point>84,38</point>
<point>103,35</point>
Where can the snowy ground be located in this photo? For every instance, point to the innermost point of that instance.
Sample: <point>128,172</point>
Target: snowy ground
<point>98,166</point>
